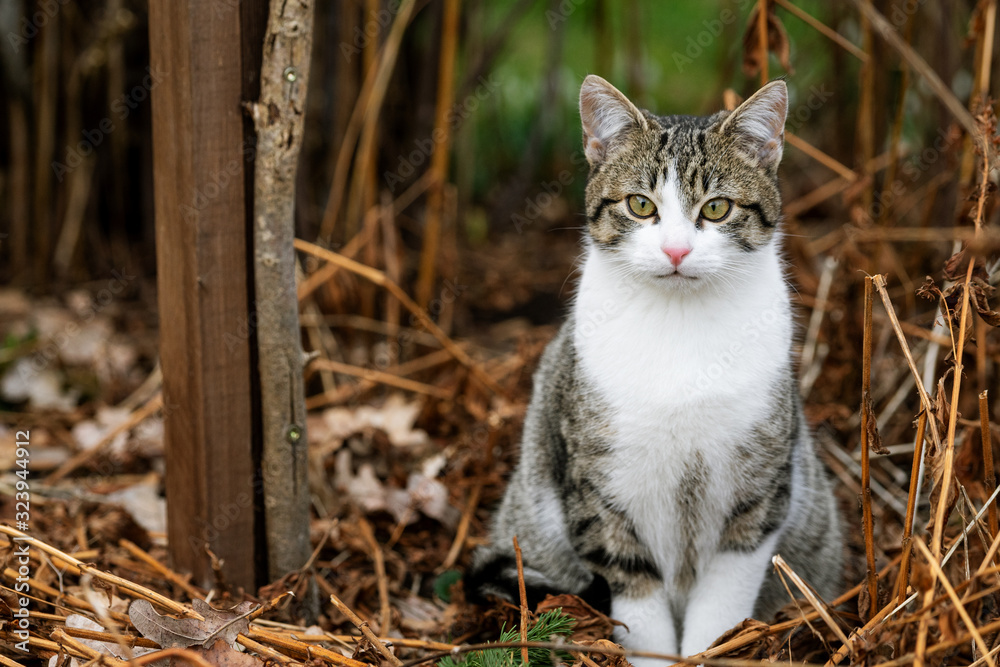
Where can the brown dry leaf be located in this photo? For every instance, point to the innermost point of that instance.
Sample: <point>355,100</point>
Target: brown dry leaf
<point>929,290</point>
<point>979,295</point>
<point>864,604</point>
<point>950,625</point>
<point>590,625</point>
<point>968,466</point>
<point>874,439</point>
<point>170,632</point>
<point>222,655</point>
<point>941,405</point>
<point>748,626</point>
<point>921,577</point>
<point>777,42</point>
<point>955,267</point>
<point>604,659</point>
<point>980,289</point>
<point>366,652</point>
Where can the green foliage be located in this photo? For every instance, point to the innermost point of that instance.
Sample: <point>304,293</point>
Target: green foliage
<point>670,57</point>
<point>551,624</point>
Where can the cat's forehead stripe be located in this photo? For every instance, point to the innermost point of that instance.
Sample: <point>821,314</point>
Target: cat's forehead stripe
<point>664,139</point>
<point>692,174</point>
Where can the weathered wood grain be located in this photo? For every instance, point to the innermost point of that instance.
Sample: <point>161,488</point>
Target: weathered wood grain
<point>199,162</point>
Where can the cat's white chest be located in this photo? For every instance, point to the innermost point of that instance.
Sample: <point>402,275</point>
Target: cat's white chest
<point>687,377</point>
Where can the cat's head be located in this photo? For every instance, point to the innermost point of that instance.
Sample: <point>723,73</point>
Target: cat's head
<point>683,201</point>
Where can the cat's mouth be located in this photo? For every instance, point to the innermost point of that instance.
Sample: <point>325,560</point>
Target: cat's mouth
<point>675,275</point>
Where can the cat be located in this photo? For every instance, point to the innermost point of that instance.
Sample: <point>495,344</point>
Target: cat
<point>665,457</point>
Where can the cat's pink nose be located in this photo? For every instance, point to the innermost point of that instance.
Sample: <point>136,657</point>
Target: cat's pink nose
<point>677,254</point>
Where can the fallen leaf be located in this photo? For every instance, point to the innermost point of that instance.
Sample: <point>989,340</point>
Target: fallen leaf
<point>419,614</point>
<point>144,502</point>
<point>757,632</point>
<point>78,622</point>
<point>366,652</point>
<point>422,493</point>
<point>32,380</point>
<point>604,659</point>
<point>396,418</point>
<point>747,626</point>
<point>431,497</point>
<point>365,489</point>
<point>88,344</point>
<point>222,654</point>
<point>88,433</point>
<point>170,632</point>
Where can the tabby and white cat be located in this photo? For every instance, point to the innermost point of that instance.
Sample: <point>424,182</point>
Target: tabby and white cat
<point>665,456</point>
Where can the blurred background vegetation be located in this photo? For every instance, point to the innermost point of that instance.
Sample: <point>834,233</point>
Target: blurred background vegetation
<point>78,196</point>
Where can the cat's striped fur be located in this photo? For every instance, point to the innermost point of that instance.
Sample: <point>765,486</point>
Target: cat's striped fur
<point>665,456</point>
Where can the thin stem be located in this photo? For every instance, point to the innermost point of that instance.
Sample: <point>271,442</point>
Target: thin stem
<point>866,491</point>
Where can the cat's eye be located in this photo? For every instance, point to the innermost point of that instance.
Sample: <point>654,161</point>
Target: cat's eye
<point>640,206</point>
<point>716,209</point>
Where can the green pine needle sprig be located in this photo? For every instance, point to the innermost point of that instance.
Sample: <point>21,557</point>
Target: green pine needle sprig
<point>550,624</point>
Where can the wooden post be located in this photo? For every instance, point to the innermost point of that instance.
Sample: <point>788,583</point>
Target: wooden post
<point>203,281</point>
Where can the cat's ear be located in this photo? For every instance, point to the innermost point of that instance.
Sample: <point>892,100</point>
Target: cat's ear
<point>759,123</point>
<point>607,116</point>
